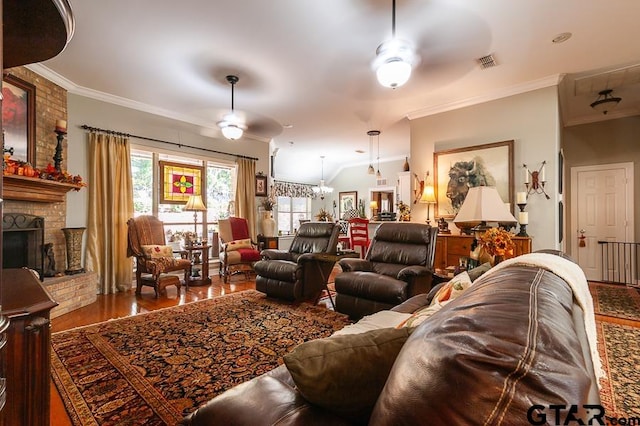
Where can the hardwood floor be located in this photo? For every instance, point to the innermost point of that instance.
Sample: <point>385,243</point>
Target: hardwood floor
<point>127,304</point>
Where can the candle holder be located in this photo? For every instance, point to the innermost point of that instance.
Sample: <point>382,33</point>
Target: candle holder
<point>521,206</point>
<point>523,231</point>
<point>57,158</point>
<point>537,182</point>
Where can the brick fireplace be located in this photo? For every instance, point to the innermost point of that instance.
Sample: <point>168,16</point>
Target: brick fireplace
<point>47,199</point>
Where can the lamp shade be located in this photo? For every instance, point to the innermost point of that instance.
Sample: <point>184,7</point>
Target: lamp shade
<point>482,204</point>
<point>428,195</point>
<point>393,72</point>
<point>231,131</point>
<point>373,204</point>
<point>195,204</point>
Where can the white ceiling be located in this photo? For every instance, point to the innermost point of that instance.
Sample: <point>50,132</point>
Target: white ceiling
<point>307,63</point>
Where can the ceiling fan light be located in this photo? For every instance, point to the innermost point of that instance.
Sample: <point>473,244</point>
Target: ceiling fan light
<point>393,72</point>
<point>231,131</point>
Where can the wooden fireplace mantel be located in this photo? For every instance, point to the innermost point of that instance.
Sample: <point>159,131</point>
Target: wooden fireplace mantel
<point>35,189</point>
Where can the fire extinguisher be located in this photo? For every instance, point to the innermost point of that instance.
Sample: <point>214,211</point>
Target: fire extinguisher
<point>582,239</point>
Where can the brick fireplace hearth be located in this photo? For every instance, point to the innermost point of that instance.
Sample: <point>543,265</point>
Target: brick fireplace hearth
<point>46,199</point>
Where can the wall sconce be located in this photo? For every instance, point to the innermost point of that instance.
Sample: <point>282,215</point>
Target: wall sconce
<point>535,180</point>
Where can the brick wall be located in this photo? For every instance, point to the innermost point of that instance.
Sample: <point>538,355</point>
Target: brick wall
<point>51,105</point>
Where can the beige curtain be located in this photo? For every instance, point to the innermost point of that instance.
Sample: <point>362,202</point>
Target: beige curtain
<point>246,193</point>
<point>110,206</point>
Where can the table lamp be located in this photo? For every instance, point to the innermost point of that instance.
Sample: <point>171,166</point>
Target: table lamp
<point>195,205</point>
<point>428,197</point>
<point>481,205</point>
<point>374,206</point>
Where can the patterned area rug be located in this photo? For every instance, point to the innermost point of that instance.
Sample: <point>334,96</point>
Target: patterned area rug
<point>155,368</point>
<point>618,348</point>
<point>615,300</point>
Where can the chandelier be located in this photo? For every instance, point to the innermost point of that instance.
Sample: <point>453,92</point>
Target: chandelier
<point>322,189</point>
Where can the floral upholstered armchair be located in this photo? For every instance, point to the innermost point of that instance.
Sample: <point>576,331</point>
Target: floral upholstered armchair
<point>146,241</point>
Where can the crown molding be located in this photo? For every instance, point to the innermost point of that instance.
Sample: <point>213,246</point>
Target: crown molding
<point>529,86</point>
<point>72,87</point>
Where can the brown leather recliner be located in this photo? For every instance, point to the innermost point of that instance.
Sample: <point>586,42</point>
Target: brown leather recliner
<point>398,265</point>
<point>299,273</point>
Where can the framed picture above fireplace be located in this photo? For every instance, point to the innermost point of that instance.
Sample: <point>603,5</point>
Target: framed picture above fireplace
<point>19,117</point>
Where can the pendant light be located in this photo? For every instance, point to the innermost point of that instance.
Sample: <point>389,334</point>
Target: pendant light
<point>371,134</point>
<point>605,102</point>
<point>378,174</point>
<point>232,127</point>
<point>394,58</point>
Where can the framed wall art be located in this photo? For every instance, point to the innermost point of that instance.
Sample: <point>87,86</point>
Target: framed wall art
<point>19,118</point>
<point>347,201</point>
<point>179,181</point>
<point>261,186</point>
<point>457,170</point>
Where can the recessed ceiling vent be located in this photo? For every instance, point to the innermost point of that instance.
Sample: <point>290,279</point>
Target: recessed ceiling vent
<point>487,62</point>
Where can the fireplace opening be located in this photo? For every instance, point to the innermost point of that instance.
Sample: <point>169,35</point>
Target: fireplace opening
<point>23,242</point>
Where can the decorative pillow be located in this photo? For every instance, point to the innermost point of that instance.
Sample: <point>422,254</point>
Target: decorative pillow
<point>155,251</point>
<point>449,291</point>
<point>326,375</point>
<point>476,272</point>
<point>239,244</point>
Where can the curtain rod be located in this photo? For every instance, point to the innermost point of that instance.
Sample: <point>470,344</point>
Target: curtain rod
<point>179,145</point>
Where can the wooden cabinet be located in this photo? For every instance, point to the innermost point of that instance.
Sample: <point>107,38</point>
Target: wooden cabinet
<point>449,248</point>
<point>27,363</point>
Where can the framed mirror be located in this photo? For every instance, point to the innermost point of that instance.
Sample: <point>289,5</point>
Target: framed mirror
<point>19,118</point>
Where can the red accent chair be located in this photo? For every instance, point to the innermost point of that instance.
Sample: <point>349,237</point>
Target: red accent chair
<point>359,235</point>
<point>237,252</point>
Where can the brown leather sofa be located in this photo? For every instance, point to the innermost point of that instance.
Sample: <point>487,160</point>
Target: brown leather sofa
<point>398,265</point>
<point>514,340</point>
<point>299,273</point>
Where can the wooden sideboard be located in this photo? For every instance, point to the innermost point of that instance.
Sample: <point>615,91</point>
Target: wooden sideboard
<point>449,248</point>
<point>27,363</point>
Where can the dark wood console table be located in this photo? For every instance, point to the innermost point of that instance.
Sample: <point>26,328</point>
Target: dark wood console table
<point>27,366</point>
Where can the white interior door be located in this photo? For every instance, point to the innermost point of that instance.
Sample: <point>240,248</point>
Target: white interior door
<point>602,206</point>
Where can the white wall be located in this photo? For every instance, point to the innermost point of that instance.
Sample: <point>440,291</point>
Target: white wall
<point>530,119</point>
<point>82,110</point>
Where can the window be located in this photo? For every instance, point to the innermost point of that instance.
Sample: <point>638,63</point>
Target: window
<point>219,178</point>
<point>290,211</point>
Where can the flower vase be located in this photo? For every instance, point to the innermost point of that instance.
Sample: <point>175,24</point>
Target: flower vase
<point>268,224</point>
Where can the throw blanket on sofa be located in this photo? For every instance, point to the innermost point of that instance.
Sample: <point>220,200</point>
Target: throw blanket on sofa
<point>574,276</point>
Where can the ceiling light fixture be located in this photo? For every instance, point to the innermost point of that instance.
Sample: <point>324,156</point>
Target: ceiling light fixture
<point>605,102</point>
<point>394,58</point>
<point>371,134</point>
<point>232,127</point>
<point>322,189</point>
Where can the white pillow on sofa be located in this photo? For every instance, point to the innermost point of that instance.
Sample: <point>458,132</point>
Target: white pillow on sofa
<point>382,319</point>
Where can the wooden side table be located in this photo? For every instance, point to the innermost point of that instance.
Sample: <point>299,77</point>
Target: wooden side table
<point>199,255</point>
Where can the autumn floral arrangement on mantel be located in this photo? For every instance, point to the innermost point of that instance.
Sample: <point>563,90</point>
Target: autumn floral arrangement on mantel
<point>25,169</point>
